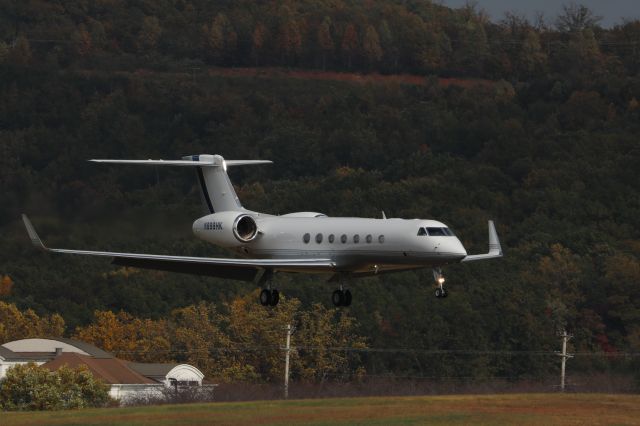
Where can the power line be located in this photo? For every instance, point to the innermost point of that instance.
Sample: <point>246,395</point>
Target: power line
<point>248,348</point>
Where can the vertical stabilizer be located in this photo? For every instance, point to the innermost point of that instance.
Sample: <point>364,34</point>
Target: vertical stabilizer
<point>216,188</point>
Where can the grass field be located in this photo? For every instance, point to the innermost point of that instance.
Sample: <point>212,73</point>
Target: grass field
<point>527,409</point>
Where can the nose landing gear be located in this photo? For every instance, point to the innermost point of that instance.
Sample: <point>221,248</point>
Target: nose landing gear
<point>440,291</point>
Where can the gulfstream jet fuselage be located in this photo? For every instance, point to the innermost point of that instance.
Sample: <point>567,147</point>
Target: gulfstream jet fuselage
<point>309,242</point>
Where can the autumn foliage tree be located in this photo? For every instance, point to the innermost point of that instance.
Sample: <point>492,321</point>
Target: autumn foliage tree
<point>127,337</point>
<point>6,285</point>
<point>240,342</point>
<point>16,324</point>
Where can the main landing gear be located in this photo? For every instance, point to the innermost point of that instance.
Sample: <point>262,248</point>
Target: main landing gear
<point>268,296</point>
<point>341,297</point>
<point>440,291</point>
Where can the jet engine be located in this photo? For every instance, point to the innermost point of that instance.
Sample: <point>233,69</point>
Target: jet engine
<point>227,229</point>
<point>245,228</point>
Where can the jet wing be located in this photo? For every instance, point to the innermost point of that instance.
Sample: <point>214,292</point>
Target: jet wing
<point>238,269</point>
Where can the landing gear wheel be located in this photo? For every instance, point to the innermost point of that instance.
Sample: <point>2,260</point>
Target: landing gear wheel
<point>445,293</point>
<point>439,292</point>
<point>275,297</point>
<point>347,298</point>
<point>265,297</point>
<point>338,298</point>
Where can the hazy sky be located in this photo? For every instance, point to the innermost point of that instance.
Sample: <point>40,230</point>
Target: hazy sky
<point>612,11</point>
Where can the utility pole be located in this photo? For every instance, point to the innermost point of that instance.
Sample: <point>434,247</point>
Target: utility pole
<point>287,351</point>
<point>564,355</point>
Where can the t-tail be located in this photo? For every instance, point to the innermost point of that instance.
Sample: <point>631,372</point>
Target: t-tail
<point>215,187</point>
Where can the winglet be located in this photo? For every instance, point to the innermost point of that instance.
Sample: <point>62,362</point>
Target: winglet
<point>495,249</point>
<point>35,239</point>
<point>494,242</point>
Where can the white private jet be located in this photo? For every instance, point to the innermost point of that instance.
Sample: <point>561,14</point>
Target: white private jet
<point>309,242</point>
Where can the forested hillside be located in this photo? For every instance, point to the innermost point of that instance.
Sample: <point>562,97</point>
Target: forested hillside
<point>546,145</point>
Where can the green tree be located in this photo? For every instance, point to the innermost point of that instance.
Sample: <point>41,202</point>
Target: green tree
<point>20,53</point>
<point>149,33</point>
<point>82,40</point>
<point>4,51</point>
<point>350,43</point>
<point>532,57</point>
<point>30,387</point>
<point>259,40</point>
<point>576,18</point>
<point>325,40</point>
<point>289,39</point>
<point>221,39</point>
<point>371,45</point>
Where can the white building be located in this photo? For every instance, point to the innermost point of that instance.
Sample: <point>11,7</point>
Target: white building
<point>127,379</point>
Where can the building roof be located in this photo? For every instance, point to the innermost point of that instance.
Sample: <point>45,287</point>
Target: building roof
<point>50,344</point>
<point>9,355</point>
<point>92,350</point>
<point>110,370</point>
<point>152,369</point>
<point>6,353</point>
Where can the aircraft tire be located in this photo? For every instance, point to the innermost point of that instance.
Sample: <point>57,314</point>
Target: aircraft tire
<point>265,297</point>
<point>347,298</point>
<point>438,292</point>
<point>275,297</point>
<point>445,293</point>
<point>338,298</point>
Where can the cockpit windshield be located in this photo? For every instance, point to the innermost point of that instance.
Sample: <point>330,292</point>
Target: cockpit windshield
<point>435,232</point>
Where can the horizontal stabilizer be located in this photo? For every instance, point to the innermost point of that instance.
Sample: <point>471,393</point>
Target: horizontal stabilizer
<point>156,162</point>
<point>204,160</point>
<point>495,249</point>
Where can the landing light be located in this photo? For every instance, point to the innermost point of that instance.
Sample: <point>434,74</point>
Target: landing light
<point>440,280</point>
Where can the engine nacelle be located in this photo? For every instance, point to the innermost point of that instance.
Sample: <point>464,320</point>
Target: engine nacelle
<point>245,228</point>
<point>227,229</point>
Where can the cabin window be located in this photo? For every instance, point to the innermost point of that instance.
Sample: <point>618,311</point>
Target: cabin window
<point>318,238</point>
<point>369,239</point>
<point>306,238</point>
<point>356,239</point>
<point>331,238</point>
<point>381,239</point>
<point>422,232</point>
<point>343,238</point>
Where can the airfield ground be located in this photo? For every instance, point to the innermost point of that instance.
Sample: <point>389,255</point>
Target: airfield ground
<point>521,409</point>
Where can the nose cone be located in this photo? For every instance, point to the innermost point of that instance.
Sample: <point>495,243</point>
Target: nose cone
<point>456,249</point>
